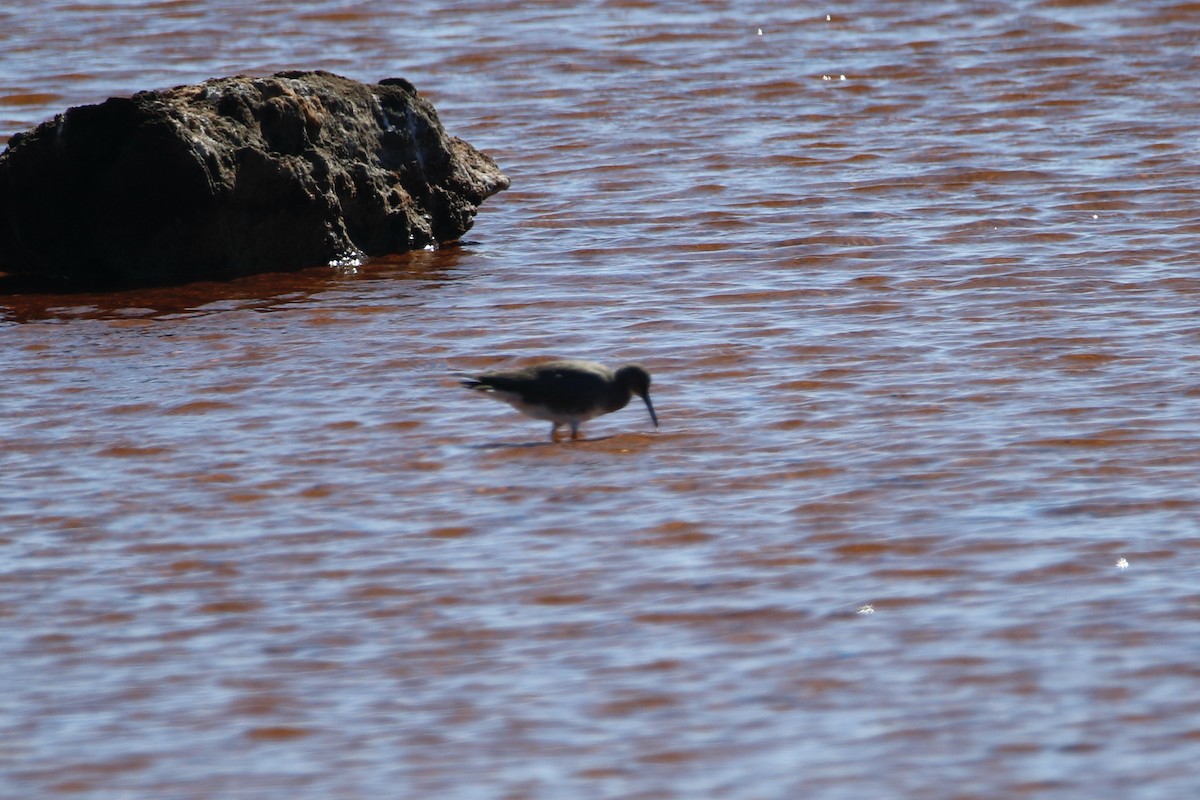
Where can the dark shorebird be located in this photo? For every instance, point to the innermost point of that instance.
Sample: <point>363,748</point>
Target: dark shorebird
<point>566,392</point>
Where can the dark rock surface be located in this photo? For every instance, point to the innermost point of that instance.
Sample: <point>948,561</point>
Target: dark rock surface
<point>235,176</point>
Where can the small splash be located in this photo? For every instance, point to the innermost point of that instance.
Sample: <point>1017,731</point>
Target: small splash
<point>1122,563</point>
<point>349,263</point>
<point>865,610</point>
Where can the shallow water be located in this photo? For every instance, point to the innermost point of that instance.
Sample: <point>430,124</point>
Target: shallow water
<point>921,518</point>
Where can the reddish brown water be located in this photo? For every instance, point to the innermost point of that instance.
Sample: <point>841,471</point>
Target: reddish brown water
<point>921,521</point>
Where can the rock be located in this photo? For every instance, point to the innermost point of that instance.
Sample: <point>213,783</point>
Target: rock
<point>235,176</point>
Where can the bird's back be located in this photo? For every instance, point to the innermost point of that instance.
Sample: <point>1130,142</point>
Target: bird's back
<point>570,388</point>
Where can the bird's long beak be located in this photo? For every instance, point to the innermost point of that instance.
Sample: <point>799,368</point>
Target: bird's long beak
<point>650,408</point>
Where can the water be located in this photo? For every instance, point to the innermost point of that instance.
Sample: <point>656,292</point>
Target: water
<point>921,519</point>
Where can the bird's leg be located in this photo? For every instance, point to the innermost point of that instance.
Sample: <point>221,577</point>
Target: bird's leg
<point>554,431</point>
<point>574,431</point>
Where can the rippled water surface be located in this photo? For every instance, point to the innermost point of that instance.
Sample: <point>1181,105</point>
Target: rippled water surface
<point>918,286</point>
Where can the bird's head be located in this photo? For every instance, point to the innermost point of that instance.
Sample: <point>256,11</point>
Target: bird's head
<point>636,379</point>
